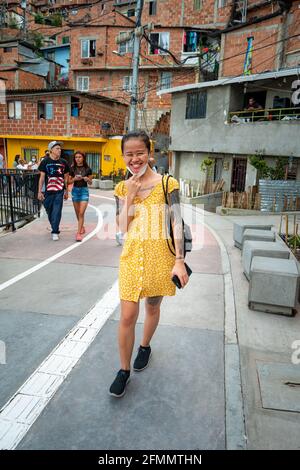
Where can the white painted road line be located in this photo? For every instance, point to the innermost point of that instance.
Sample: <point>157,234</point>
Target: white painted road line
<point>25,406</point>
<point>47,261</point>
<point>102,197</point>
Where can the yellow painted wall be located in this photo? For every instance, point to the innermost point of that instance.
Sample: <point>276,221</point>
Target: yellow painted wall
<point>17,146</point>
<point>110,151</point>
<point>112,159</point>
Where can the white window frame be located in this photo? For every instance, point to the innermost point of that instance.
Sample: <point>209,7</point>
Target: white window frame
<point>198,5</point>
<point>127,83</point>
<point>80,82</point>
<point>14,109</point>
<point>222,3</point>
<point>88,55</point>
<point>47,109</point>
<point>165,80</point>
<point>126,47</point>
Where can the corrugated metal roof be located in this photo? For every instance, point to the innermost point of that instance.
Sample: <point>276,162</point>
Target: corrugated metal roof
<point>58,46</point>
<point>231,80</point>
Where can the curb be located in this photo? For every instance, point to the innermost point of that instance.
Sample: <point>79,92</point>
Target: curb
<point>235,430</point>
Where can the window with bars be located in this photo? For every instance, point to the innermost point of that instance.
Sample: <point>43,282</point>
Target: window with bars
<point>127,83</point>
<point>125,47</point>
<point>165,80</point>
<point>197,4</point>
<point>88,48</point>
<point>14,109</point>
<point>196,105</point>
<point>83,83</point>
<point>28,153</point>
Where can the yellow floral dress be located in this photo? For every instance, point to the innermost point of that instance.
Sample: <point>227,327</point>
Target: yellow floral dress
<point>146,261</point>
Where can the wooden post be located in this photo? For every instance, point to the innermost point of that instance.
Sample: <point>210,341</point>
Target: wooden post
<point>279,231</point>
<point>286,227</point>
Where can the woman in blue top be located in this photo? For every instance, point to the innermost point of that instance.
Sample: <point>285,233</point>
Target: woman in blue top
<point>81,177</point>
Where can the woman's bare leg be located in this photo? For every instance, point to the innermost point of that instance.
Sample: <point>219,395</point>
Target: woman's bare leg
<point>82,208</point>
<point>129,315</point>
<point>152,306</point>
<point>76,207</point>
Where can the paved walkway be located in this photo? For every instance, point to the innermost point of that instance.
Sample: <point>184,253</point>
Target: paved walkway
<point>60,361</point>
<point>220,375</point>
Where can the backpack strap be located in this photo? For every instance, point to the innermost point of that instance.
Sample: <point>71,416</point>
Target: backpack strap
<point>165,190</point>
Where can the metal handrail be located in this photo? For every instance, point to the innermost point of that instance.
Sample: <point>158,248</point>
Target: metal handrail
<point>266,114</point>
<point>18,196</point>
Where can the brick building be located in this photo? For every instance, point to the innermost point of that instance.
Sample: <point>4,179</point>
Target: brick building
<point>82,121</point>
<point>95,66</point>
<point>259,63</point>
<point>208,38</point>
<point>23,68</point>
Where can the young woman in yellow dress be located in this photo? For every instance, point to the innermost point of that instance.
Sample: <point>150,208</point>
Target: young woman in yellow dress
<point>146,263</point>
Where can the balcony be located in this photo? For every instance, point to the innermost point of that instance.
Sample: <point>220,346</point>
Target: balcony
<point>269,114</point>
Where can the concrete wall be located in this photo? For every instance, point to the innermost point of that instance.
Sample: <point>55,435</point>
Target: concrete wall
<point>209,201</point>
<point>213,134</point>
<point>186,165</point>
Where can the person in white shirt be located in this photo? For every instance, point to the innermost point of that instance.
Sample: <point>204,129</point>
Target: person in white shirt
<point>1,162</point>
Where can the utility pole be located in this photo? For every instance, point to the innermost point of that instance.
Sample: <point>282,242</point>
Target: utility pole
<point>135,65</point>
<point>24,6</point>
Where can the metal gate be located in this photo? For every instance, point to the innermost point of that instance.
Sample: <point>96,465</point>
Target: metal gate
<point>238,178</point>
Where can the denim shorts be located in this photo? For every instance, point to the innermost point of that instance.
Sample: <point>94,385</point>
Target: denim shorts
<point>80,194</point>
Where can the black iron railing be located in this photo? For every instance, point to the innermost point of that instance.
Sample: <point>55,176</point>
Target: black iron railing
<point>18,196</point>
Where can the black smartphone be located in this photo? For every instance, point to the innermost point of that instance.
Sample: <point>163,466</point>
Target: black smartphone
<point>176,280</point>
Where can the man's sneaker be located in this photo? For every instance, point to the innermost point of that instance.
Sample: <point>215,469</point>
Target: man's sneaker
<point>55,237</point>
<point>117,388</point>
<point>142,358</point>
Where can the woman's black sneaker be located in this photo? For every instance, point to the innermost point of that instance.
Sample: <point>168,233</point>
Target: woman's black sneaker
<point>117,388</point>
<point>142,358</point>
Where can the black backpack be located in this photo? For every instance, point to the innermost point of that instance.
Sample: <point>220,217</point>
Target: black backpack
<point>187,234</point>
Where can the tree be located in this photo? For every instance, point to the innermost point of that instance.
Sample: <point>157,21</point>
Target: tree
<point>265,171</point>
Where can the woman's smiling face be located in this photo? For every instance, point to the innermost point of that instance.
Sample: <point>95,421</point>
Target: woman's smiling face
<point>135,155</point>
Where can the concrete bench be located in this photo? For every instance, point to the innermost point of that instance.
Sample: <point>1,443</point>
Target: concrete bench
<point>106,184</point>
<point>273,285</point>
<point>259,235</point>
<point>265,249</point>
<point>239,227</point>
<point>95,183</point>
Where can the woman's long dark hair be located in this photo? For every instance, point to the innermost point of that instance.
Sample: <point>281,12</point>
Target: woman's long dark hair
<point>74,164</point>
